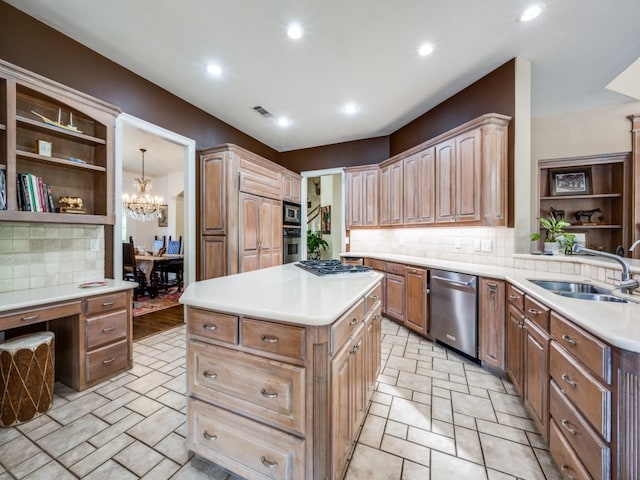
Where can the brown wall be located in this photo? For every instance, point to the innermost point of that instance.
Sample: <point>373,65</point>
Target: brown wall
<point>30,44</point>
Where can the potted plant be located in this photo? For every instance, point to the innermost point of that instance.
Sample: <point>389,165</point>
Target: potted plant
<point>556,236</point>
<point>314,244</point>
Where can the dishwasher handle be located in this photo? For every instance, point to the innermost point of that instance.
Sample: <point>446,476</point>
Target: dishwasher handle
<point>458,283</point>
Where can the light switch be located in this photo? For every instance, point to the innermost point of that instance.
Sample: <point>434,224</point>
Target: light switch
<point>486,245</point>
<point>94,244</point>
<point>476,245</point>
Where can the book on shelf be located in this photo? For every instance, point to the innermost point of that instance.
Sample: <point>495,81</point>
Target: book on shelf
<point>33,194</point>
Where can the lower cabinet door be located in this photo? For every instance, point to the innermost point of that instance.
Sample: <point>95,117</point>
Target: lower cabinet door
<point>106,361</point>
<point>242,446</point>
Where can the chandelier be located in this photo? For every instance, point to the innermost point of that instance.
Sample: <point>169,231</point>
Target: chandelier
<point>142,206</point>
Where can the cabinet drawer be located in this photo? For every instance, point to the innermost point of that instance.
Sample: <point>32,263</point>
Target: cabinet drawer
<point>397,268</point>
<point>515,297</point>
<point>591,398</point>
<point>105,329</point>
<point>213,325</point>
<point>105,303</point>
<point>269,390</point>
<point>566,459</point>
<point>536,312</point>
<point>374,296</point>
<point>247,448</point>
<point>285,340</point>
<point>34,315</point>
<point>583,439</point>
<point>375,264</point>
<point>592,352</point>
<point>342,328</point>
<point>106,361</point>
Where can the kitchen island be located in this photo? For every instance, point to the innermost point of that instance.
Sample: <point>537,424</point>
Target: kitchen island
<point>280,366</point>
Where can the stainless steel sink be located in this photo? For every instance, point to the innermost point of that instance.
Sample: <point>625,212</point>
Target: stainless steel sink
<point>569,287</point>
<point>583,291</point>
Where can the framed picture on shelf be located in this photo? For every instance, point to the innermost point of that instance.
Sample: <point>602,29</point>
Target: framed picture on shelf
<point>163,220</point>
<point>325,219</point>
<point>570,181</point>
<point>44,148</point>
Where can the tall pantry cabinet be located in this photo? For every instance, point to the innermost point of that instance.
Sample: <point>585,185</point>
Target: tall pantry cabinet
<point>240,219</point>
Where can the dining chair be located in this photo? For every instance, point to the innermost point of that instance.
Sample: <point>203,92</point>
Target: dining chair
<point>174,246</point>
<point>158,243</point>
<point>130,270</point>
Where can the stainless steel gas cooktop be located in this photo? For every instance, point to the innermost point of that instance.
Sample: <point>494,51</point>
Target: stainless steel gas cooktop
<point>330,267</point>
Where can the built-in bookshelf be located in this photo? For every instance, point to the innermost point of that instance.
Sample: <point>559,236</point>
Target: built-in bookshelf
<point>61,138</point>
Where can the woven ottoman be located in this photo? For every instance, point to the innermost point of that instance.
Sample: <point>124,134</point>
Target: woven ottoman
<point>26,377</point>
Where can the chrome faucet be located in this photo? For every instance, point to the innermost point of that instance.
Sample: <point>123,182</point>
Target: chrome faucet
<point>628,284</point>
<point>635,244</point>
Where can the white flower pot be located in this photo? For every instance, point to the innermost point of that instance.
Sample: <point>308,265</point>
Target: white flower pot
<point>552,247</point>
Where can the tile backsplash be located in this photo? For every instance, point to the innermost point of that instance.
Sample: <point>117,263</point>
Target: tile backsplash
<point>34,255</point>
<point>463,244</point>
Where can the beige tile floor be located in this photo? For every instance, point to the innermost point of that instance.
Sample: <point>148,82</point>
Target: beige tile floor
<point>434,416</point>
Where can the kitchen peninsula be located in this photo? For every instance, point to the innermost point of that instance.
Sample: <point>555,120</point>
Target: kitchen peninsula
<point>280,366</point>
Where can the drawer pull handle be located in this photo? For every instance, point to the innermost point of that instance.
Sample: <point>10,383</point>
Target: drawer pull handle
<point>206,326</point>
<point>567,426</point>
<point>355,348</point>
<point>107,304</point>
<point>567,379</point>
<point>206,374</point>
<point>30,317</point>
<point>267,463</point>
<point>492,285</point>
<point>566,469</point>
<point>353,321</point>
<point>514,297</point>
<point>209,437</point>
<point>109,361</point>
<point>568,339</point>
<point>108,329</point>
<point>268,395</point>
<point>533,311</point>
<point>266,339</point>
<point>375,297</point>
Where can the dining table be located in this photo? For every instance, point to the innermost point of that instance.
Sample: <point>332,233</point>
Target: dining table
<point>146,262</point>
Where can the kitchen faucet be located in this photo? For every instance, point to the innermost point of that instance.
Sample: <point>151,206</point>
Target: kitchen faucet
<point>628,284</point>
<point>635,244</point>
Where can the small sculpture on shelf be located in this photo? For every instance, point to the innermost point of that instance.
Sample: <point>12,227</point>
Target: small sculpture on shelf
<point>70,126</point>
<point>71,205</point>
<point>557,214</point>
<point>587,214</point>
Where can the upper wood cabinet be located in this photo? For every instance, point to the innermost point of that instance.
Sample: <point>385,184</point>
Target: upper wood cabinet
<point>213,188</point>
<point>291,187</point>
<point>391,193</point>
<point>419,194</point>
<point>362,196</point>
<point>444,187</point>
<point>79,132</point>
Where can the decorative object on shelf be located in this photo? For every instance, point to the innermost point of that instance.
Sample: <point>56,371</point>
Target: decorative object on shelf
<point>580,214</point>
<point>557,214</point>
<point>163,220</point>
<point>76,160</point>
<point>44,148</point>
<point>142,206</point>
<point>3,190</point>
<point>556,236</point>
<point>570,181</point>
<point>314,244</point>
<point>71,205</point>
<point>70,126</point>
<point>325,219</point>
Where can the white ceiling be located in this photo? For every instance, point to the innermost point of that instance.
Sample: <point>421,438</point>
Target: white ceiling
<point>352,50</point>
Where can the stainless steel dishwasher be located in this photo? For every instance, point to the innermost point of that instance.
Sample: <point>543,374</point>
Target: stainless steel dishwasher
<point>454,310</point>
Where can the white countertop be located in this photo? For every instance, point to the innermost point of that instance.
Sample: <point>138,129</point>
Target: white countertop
<point>286,293</point>
<point>616,323</point>
<point>59,293</point>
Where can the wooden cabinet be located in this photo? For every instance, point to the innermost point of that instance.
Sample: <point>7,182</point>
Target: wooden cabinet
<point>380,267</point>
<point>417,317</point>
<point>260,232</point>
<point>395,291</point>
<point>536,375</point>
<point>607,188</point>
<point>213,189</point>
<point>268,399</point>
<point>391,193</point>
<point>79,131</point>
<point>213,261</point>
<point>362,196</point>
<point>419,187</point>
<point>514,348</point>
<point>492,322</point>
<point>291,187</point>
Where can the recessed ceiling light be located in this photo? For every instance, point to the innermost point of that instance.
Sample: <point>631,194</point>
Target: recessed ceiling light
<point>531,12</point>
<point>350,108</point>
<point>283,122</point>
<point>294,31</point>
<point>425,50</point>
<point>214,70</point>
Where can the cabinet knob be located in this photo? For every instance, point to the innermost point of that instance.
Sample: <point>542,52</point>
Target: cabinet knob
<point>109,361</point>
<point>266,394</point>
<point>533,311</point>
<point>567,426</point>
<point>207,374</point>
<point>267,339</point>
<point>206,326</point>
<point>514,297</point>
<point>108,329</point>
<point>566,469</point>
<point>568,380</point>
<point>209,437</point>
<point>353,321</point>
<point>267,463</point>
<point>569,340</point>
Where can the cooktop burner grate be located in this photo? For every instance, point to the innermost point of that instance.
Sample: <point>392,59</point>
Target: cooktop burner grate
<point>330,267</point>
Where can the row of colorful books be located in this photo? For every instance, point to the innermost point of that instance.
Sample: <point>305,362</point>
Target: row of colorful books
<point>33,194</point>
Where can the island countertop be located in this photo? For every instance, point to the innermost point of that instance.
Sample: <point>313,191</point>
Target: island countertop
<point>284,292</point>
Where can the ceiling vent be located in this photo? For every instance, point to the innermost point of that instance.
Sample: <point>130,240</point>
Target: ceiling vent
<point>262,111</point>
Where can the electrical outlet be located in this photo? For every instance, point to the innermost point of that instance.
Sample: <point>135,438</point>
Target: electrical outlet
<point>476,245</point>
<point>94,244</point>
<point>486,245</point>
